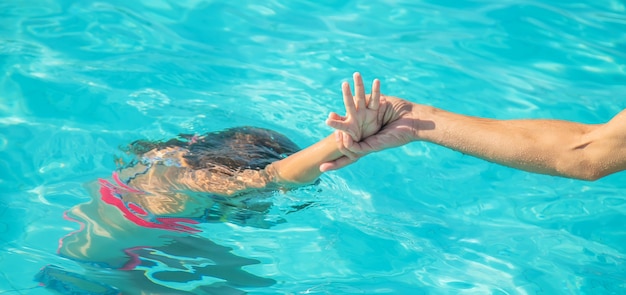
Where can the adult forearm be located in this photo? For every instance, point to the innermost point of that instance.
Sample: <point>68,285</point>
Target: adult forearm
<point>542,146</point>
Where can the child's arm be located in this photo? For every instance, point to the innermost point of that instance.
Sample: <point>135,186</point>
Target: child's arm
<point>363,118</point>
<point>303,166</point>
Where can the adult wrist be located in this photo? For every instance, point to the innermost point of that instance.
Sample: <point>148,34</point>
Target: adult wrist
<point>423,121</point>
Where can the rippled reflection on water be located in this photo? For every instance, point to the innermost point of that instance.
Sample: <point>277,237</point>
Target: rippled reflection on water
<point>82,78</point>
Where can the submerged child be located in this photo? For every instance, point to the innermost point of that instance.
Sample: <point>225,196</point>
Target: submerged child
<point>189,175</point>
<point>144,217</point>
<point>236,165</point>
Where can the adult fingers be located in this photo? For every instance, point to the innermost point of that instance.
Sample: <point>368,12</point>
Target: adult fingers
<point>381,114</point>
<point>345,143</point>
<point>364,147</point>
<point>336,164</point>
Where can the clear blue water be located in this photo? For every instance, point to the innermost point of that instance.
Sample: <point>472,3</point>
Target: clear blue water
<point>81,78</point>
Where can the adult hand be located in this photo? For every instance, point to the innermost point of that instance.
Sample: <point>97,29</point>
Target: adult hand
<point>400,126</point>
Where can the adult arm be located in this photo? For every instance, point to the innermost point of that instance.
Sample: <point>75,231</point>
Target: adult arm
<point>553,147</point>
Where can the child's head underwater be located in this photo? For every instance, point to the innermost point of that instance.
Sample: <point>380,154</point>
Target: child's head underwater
<point>235,148</point>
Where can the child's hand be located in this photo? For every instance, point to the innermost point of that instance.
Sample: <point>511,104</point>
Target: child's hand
<point>364,117</point>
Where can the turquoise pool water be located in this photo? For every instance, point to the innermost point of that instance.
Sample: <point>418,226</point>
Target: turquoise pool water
<point>81,78</point>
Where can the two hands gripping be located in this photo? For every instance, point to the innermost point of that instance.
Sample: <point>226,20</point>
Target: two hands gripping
<point>372,123</point>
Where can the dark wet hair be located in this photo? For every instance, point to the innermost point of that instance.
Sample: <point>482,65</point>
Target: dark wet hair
<point>234,148</point>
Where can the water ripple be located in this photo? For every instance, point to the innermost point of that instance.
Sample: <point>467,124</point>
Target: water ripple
<point>82,78</point>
